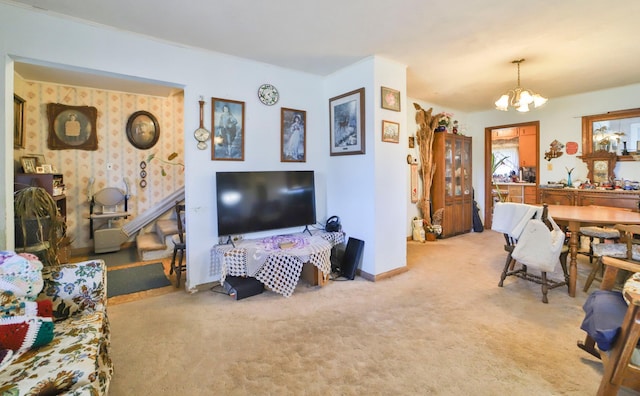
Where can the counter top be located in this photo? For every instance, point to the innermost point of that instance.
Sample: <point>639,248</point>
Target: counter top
<point>514,184</point>
<point>591,190</point>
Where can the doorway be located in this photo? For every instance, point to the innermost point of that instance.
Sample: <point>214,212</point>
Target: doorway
<point>521,138</point>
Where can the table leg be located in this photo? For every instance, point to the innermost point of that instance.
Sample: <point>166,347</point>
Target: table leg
<point>574,227</point>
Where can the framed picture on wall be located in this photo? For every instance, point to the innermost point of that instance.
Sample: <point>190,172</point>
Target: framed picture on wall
<point>390,98</point>
<point>390,131</point>
<point>143,130</point>
<point>72,127</point>
<point>346,123</point>
<point>18,122</point>
<point>228,130</point>
<point>293,137</point>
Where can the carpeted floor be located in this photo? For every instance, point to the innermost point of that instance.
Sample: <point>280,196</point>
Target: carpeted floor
<point>115,259</point>
<point>442,328</point>
<point>135,279</point>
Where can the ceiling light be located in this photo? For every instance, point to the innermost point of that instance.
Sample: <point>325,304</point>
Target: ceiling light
<point>519,98</point>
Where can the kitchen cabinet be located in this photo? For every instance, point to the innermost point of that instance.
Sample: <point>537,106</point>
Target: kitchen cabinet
<point>451,188</point>
<point>527,146</point>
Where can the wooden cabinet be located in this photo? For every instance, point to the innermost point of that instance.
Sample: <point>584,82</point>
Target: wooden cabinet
<point>451,188</point>
<point>518,192</point>
<point>527,144</point>
<point>611,198</point>
<point>530,195</point>
<point>504,133</point>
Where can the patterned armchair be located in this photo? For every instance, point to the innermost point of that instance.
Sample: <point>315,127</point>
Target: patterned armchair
<point>77,361</point>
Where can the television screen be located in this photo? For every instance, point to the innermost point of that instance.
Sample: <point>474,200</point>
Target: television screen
<point>259,201</point>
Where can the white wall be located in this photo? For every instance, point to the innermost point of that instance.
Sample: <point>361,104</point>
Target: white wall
<point>561,119</point>
<point>345,185</point>
<point>369,201</point>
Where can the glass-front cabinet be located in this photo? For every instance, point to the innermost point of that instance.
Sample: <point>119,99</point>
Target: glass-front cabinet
<point>451,188</point>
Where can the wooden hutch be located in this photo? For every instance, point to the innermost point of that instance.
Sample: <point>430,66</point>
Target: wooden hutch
<point>452,188</point>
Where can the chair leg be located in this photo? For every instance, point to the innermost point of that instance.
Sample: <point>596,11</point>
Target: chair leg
<point>505,270</point>
<point>179,268</point>
<point>545,288</point>
<point>592,275</point>
<point>173,262</point>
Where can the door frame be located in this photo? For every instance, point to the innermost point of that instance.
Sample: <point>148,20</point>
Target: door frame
<point>488,203</point>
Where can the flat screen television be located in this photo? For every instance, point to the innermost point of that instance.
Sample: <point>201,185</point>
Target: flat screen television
<point>259,201</point>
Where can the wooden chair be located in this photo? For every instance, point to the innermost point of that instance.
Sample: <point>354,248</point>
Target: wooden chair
<point>627,249</point>
<point>523,272</point>
<point>618,370</point>
<point>179,246</point>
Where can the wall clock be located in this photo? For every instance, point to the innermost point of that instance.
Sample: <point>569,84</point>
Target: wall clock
<point>268,94</point>
<point>600,165</point>
<point>201,134</point>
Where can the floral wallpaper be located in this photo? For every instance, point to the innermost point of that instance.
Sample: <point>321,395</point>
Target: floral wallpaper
<point>114,149</point>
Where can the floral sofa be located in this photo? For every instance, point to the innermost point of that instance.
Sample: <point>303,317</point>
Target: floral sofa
<point>76,361</point>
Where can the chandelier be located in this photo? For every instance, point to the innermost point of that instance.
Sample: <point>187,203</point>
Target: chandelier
<point>518,97</point>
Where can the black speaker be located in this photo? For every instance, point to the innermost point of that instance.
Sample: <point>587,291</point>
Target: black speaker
<point>239,287</point>
<point>352,258</point>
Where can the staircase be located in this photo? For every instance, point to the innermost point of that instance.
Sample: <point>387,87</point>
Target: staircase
<point>157,244</point>
<point>155,228</point>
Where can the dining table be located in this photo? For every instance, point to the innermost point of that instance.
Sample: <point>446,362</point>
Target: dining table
<point>575,217</point>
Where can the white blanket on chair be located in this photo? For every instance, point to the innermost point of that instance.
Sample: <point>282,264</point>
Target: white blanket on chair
<point>539,247</point>
<point>510,218</point>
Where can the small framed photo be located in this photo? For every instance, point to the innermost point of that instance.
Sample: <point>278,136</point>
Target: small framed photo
<point>28,164</point>
<point>227,117</point>
<point>72,127</point>
<point>346,123</point>
<point>46,168</point>
<point>143,130</point>
<point>293,137</point>
<point>18,122</point>
<point>40,169</point>
<point>390,132</point>
<point>390,99</point>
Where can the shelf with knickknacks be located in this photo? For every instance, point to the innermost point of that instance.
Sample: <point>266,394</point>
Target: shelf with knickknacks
<point>444,122</point>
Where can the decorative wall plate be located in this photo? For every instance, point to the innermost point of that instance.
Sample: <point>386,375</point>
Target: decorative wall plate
<point>268,94</point>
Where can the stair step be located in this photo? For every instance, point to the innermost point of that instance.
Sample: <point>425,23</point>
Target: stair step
<point>150,241</point>
<point>166,227</point>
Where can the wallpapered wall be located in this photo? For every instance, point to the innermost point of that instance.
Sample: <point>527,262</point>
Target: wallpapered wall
<point>78,166</point>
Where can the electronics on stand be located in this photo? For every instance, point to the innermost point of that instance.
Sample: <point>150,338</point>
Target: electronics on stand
<point>333,224</point>
<point>259,201</point>
<point>239,287</point>
<point>348,261</point>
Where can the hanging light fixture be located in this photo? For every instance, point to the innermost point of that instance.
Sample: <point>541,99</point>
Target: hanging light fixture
<point>518,97</point>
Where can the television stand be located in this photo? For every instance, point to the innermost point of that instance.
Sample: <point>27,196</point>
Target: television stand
<point>306,228</point>
<point>230,241</point>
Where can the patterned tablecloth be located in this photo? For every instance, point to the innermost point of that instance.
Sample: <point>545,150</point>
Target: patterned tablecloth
<point>278,268</point>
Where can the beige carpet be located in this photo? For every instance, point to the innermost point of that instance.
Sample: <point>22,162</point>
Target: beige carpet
<point>442,328</point>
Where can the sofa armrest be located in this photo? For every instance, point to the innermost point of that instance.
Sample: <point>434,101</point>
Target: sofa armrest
<point>75,288</point>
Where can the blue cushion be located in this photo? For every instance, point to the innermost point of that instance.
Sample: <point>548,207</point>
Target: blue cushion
<point>604,313</point>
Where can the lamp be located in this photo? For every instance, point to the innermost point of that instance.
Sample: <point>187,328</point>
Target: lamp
<point>518,97</point>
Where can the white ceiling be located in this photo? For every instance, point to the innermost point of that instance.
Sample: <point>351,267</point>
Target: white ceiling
<point>458,53</point>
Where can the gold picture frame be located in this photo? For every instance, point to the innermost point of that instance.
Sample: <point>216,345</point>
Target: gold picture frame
<point>18,122</point>
<point>390,131</point>
<point>390,99</point>
<point>29,164</point>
